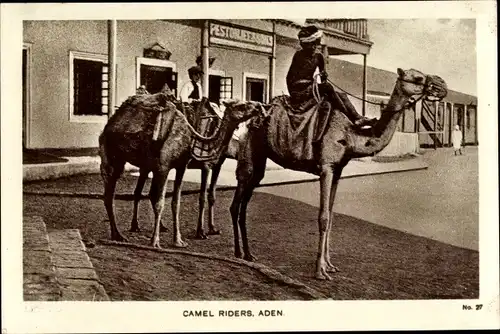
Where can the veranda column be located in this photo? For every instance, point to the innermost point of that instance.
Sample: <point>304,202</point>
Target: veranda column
<point>364,85</point>
<point>464,114</point>
<point>436,113</point>
<point>272,67</point>
<point>111,66</point>
<point>476,140</point>
<point>205,54</point>
<point>452,126</point>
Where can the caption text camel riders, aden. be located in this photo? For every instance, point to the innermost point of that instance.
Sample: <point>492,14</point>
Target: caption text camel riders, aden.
<point>231,313</point>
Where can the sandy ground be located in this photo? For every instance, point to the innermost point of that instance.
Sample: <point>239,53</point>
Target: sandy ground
<point>441,202</point>
<point>376,262</point>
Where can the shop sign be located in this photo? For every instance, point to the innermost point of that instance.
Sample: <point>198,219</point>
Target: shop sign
<point>241,38</point>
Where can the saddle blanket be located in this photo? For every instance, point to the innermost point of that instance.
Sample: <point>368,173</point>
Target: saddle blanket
<point>293,131</point>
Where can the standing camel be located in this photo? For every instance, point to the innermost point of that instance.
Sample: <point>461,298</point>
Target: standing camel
<point>209,170</point>
<point>340,143</point>
<point>128,137</point>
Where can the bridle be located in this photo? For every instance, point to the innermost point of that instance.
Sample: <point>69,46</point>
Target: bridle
<point>413,99</point>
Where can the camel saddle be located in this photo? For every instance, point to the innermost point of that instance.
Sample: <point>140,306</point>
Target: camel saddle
<point>207,123</point>
<point>297,127</point>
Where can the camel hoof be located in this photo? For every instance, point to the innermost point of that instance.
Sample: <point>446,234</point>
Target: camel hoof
<point>155,244</point>
<point>163,228</point>
<point>249,258</point>
<point>200,235</point>
<point>332,269</point>
<point>118,237</point>
<point>180,244</point>
<point>213,232</point>
<point>323,276</point>
<point>238,255</point>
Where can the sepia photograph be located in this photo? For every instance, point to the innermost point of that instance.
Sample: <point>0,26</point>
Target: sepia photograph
<point>249,166</point>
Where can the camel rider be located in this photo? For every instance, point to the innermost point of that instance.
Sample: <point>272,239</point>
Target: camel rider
<point>301,75</point>
<point>192,89</point>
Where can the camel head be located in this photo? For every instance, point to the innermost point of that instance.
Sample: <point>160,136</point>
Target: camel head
<point>239,111</point>
<point>414,84</point>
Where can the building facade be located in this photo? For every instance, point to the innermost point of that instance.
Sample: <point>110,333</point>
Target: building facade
<point>66,72</point>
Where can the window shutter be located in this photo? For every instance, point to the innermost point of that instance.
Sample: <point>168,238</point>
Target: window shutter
<point>226,88</point>
<point>174,83</point>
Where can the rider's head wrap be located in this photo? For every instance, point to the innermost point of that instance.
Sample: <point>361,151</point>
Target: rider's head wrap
<point>309,34</point>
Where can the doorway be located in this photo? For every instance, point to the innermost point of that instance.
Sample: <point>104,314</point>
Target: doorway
<point>26,94</point>
<point>255,87</point>
<point>155,73</point>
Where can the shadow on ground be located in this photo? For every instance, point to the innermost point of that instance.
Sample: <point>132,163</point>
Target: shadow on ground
<point>376,262</point>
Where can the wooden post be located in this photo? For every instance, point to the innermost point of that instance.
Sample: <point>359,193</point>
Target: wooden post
<point>272,67</point>
<point>476,140</point>
<point>205,56</point>
<point>464,113</point>
<point>364,85</point>
<point>436,114</point>
<point>452,126</point>
<point>111,66</point>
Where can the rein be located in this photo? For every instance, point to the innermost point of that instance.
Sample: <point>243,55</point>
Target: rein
<point>198,135</point>
<point>318,98</point>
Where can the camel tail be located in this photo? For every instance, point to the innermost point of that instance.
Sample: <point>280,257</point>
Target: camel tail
<point>103,153</point>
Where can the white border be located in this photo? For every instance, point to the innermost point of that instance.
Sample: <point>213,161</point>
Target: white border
<point>28,103</point>
<point>151,62</point>
<point>86,56</point>
<point>255,76</point>
<point>22,317</point>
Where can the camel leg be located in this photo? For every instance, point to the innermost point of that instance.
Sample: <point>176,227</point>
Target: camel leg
<point>157,197</point>
<point>241,198</point>
<point>235,209</point>
<point>247,195</point>
<point>110,174</point>
<point>333,192</point>
<point>326,179</point>
<point>249,173</point>
<point>205,174</point>
<point>134,225</point>
<point>176,201</point>
<point>211,198</point>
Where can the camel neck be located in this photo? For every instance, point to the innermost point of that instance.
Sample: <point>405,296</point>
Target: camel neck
<point>391,114</point>
<point>383,131</point>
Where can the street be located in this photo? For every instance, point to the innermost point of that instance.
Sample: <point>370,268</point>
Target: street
<point>395,236</point>
<point>440,203</point>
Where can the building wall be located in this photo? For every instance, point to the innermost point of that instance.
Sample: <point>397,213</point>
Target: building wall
<point>235,62</point>
<point>133,36</point>
<point>284,55</point>
<point>51,43</point>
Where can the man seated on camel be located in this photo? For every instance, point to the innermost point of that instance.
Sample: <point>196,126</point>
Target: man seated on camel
<point>300,77</point>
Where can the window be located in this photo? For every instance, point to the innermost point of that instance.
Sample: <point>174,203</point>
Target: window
<point>255,87</point>
<point>220,87</point>
<point>89,86</point>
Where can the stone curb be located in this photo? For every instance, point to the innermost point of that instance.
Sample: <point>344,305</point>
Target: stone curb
<point>39,275</point>
<point>264,270</point>
<point>75,272</point>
